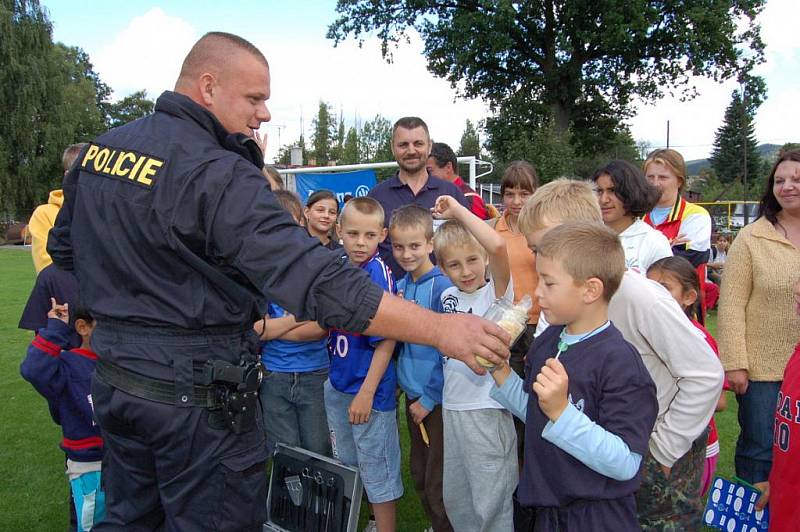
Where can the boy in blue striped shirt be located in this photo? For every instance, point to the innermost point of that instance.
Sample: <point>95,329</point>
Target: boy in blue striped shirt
<point>419,367</point>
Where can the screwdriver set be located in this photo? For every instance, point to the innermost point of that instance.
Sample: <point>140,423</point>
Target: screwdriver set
<point>309,492</point>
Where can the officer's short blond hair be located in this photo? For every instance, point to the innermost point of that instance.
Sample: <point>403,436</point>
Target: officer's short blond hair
<point>212,53</point>
<point>562,200</point>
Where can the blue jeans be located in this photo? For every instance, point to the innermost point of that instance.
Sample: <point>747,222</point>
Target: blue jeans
<point>757,420</point>
<point>294,410</point>
<point>373,446</point>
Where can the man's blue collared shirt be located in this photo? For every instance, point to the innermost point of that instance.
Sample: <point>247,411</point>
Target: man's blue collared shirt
<point>393,193</point>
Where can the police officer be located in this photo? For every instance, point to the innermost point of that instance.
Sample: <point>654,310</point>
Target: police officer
<point>177,242</point>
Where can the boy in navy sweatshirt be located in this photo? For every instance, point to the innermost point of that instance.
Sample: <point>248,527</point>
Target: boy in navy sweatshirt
<point>588,401</point>
<point>419,367</point>
<point>64,377</point>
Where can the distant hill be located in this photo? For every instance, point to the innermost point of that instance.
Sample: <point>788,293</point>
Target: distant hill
<point>767,151</point>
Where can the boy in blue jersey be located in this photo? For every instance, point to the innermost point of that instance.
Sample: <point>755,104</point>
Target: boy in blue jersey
<point>588,401</point>
<point>360,393</point>
<point>419,367</point>
<point>63,376</point>
<point>295,358</point>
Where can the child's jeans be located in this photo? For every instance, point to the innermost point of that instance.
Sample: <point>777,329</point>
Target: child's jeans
<point>373,446</point>
<point>294,410</point>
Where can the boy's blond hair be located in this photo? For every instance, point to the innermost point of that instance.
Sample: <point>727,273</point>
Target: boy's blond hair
<point>412,217</point>
<point>562,200</point>
<point>586,250</point>
<point>364,205</point>
<point>453,234</point>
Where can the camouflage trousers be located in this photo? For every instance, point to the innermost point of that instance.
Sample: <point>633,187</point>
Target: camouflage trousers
<point>674,503</point>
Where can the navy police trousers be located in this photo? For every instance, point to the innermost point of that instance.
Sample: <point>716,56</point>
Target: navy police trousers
<point>164,467</point>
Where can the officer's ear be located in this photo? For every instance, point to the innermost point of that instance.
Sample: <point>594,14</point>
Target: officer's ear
<point>208,87</point>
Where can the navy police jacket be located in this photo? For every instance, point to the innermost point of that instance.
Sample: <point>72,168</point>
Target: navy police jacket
<point>168,221</point>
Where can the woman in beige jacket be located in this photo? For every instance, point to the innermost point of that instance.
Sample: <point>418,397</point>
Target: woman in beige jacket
<point>757,324</point>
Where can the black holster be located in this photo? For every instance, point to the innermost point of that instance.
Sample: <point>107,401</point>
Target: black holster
<point>236,389</point>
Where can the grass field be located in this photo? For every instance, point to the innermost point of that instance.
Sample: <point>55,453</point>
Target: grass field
<point>33,494</point>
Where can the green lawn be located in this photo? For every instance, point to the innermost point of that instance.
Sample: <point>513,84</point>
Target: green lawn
<point>33,494</point>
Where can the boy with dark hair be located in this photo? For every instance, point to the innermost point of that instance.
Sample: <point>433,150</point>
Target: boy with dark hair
<point>587,396</point>
<point>419,367</point>
<point>360,398</point>
<point>443,163</point>
<point>64,377</point>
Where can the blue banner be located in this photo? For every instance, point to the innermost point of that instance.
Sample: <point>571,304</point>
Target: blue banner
<point>356,184</point>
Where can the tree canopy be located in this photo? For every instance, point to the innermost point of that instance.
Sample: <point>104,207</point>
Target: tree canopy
<point>50,97</point>
<point>571,65</point>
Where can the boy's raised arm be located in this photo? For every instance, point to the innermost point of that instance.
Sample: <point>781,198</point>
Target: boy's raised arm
<point>448,208</point>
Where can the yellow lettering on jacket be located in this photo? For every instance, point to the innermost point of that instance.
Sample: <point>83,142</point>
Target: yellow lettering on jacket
<point>148,170</point>
<point>127,165</point>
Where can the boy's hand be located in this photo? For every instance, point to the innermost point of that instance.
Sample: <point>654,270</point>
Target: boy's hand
<point>59,312</point>
<point>764,499</point>
<point>445,208</point>
<point>360,407</point>
<point>551,387</point>
<point>500,373</point>
<point>418,412</point>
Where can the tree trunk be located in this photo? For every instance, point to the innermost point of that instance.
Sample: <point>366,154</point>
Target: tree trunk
<point>561,118</point>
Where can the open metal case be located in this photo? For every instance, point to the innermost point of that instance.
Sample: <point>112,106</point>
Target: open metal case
<point>309,492</point>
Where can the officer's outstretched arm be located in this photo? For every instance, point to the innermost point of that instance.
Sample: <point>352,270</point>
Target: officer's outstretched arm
<point>459,336</point>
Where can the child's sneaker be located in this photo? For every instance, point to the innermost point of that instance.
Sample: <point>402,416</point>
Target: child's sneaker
<point>372,526</point>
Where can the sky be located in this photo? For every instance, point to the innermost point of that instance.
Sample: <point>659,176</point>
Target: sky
<point>140,44</point>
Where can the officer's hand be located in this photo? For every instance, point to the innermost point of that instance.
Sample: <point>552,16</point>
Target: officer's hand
<point>360,407</point>
<point>59,312</point>
<point>418,412</point>
<point>464,336</point>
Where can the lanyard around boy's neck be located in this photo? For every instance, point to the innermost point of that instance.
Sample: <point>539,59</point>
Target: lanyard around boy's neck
<point>563,345</point>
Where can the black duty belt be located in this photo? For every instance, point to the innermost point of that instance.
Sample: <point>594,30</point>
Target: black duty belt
<point>152,389</point>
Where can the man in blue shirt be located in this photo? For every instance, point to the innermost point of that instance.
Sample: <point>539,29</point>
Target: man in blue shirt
<point>411,147</point>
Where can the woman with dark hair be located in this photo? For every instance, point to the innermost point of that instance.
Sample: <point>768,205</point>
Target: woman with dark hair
<point>625,196</point>
<point>758,327</point>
